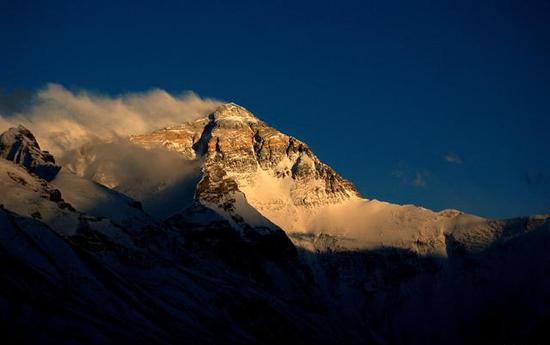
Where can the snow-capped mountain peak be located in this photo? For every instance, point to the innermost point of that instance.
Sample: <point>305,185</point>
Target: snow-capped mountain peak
<point>275,173</point>
<point>233,112</point>
<point>19,145</point>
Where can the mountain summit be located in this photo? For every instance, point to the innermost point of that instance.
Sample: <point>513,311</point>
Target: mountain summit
<point>233,112</point>
<point>245,160</point>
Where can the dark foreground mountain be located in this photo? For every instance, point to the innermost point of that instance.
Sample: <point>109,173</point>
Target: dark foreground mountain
<point>271,246</point>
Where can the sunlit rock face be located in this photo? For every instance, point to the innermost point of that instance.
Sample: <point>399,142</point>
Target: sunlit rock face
<point>240,153</point>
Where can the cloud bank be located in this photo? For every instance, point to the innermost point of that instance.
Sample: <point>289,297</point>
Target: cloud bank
<point>452,158</point>
<point>162,180</point>
<point>63,120</point>
<point>87,133</point>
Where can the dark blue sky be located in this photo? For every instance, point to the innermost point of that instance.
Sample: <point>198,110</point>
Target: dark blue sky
<point>382,91</point>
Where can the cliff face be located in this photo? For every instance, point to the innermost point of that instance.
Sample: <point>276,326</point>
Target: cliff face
<point>19,145</point>
<point>277,174</point>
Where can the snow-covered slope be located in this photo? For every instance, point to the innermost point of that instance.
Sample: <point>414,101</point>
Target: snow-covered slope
<point>30,196</point>
<point>69,274</point>
<point>99,201</point>
<point>67,203</point>
<point>161,180</point>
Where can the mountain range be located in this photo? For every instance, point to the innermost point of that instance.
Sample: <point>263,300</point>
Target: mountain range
<point>232,232</point>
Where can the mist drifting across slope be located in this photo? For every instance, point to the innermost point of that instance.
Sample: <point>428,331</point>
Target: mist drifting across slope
<point>80,126</point>
<point>63,119</point>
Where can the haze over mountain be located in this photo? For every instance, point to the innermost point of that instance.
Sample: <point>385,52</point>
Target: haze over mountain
<point>222,229</point>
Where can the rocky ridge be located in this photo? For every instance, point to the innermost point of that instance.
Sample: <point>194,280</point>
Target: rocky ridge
<point>236,146</point>
<point>20,146</point>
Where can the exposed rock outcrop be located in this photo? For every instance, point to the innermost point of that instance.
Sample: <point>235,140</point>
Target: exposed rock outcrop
<point>19,145</point>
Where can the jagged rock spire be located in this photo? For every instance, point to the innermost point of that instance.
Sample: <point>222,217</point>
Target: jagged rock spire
<point>19,145</point>
<point>242,154</point>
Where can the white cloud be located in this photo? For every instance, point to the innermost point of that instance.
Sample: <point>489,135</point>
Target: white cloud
<point>78,127</point>
<point>63,120</point>
<point>452,158</point>
<point>163,180</point>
